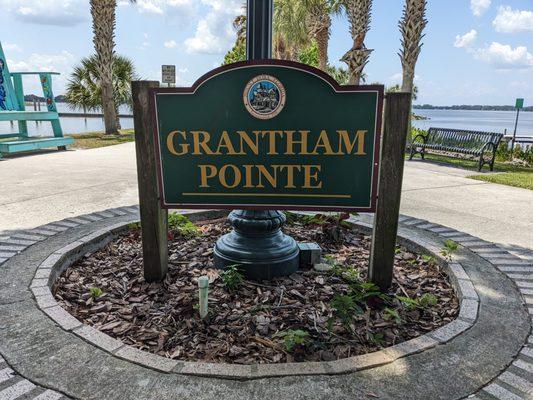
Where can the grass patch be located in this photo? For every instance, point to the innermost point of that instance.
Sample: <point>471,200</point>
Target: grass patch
<point>94,140</point>
<point>473,164</point>
<point>517,179</point>
<point>511,175</point>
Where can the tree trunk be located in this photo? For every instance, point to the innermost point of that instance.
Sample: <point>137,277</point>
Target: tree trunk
<point>104,19</point>
<point>322,39</point>
<point>407,86</point>
<point>408,79</point>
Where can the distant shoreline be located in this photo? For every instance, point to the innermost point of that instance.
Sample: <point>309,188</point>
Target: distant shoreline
<point>469,108</point>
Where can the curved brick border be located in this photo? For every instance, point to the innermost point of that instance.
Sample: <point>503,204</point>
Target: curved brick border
<point>12,385</point>
<point>513,383</point>
<point>51,268</point>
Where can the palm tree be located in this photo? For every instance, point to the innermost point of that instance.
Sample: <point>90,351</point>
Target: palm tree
<point>103,14</point>
<point>84,89</point>
<point>411,27</point>
<point>238,52</point>
<point>359,16</point>
<point>290,29</point>
<point>319,27</point>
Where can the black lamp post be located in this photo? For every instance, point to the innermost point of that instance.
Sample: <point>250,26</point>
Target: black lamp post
<point>257,243</point>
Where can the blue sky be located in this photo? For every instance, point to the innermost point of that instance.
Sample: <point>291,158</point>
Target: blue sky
<point>475,51</point>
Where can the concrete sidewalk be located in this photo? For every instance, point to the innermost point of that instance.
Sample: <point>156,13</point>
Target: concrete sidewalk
<point>41,188</point>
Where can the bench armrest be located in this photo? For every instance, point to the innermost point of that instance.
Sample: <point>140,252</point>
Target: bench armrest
<point>34,73</point>
<point>493,146</point>
<point>424,138</point>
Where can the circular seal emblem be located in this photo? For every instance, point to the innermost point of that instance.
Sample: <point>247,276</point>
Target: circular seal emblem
<point>264,97</point>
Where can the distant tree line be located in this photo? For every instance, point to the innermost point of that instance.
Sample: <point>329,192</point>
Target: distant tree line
<point>471,108</point>
<point>30,98</point>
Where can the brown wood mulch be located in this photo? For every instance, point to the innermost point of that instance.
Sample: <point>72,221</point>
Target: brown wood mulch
<point>244,325</point>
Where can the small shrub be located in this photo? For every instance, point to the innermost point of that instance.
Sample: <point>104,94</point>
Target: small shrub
<point>346,308</point>
<point>450,247</point>
<point>134,225</point>
<point>182,224</point>
<point>95,292</point>
<point>408,303</point>
<point>352,274</point>
<point>368,294</point>
<point>428,259</point>
<point>293,339</point>
<point>232,277</point>
<point>425,301</point>
<point>428,300</point>
<point>392,314</point>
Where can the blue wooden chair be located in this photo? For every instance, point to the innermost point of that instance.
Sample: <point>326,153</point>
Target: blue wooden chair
<point>12,108</point>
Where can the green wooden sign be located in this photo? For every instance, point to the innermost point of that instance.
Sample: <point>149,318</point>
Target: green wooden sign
<point>519,104</point>
<point>268,134</point>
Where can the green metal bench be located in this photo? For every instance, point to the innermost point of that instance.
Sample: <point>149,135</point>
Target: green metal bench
<point>457,141</point>
<point>12,108</point>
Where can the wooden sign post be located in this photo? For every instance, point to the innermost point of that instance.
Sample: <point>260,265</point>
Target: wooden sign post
<point>396,126</point>
<point>153,217</point>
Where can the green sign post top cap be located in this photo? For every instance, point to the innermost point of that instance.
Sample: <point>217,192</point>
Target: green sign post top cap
<point>519,103</point>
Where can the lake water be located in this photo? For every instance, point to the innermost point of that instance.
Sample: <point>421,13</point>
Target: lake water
<point>69,125</point>
<point>491,121</point>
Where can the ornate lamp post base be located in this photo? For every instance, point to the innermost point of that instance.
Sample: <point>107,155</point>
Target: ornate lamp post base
<point>258,245</point>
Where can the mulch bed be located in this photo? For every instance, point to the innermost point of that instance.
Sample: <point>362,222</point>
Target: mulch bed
<point>246,325</point>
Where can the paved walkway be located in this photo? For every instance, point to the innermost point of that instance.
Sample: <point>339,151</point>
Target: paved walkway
<point>42,188</point>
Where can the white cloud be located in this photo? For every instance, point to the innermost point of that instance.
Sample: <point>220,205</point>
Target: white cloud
<point>11,47</point>
<point>511,21</point>
<point>215,33</point>
<point>181,9</point>
<point>145,43</point>
<point>56,62</point>
<point>479,7</point>
<point>504,56</point>
<point>170,44</point>
<point>49,12</point>
<point>465,40</point>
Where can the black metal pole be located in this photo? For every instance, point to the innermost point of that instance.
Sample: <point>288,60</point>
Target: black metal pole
<point>259,29</point>
<point>514,133</point>
<point>257,244</point>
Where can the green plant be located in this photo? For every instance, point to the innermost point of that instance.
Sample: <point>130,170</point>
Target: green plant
<point>428,259</point>
<point>423,302</point>
<point>346,308</point>
<point>352,274</point>
<point>95,292</point>
<point>182,224</point>
<point>428,300</point>
<point>134,225</point>
<point>392,314</point>
<point>293,339</point>
<point>367,294</point>
<point>450,247</point>
<point>84,89</point>
<point>408,302</point>
<point>232,277</point>
<point>376,338</point>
